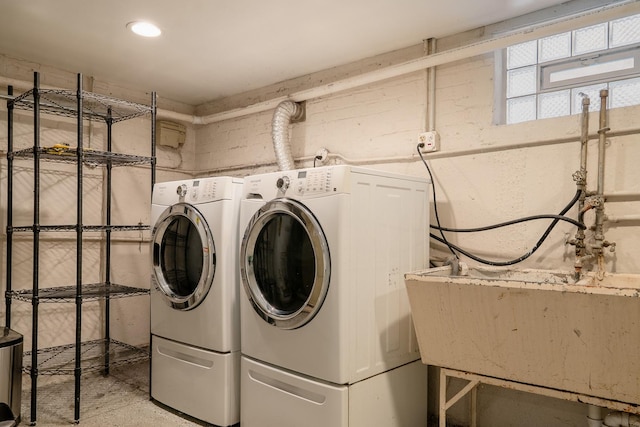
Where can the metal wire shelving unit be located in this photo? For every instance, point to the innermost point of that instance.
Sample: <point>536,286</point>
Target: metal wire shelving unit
<point>89,356</point>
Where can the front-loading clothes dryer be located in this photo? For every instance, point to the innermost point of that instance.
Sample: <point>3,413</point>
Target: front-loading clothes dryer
<point>322,259</point>
<point>195,332</point>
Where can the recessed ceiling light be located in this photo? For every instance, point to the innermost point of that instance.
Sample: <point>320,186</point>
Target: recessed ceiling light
<point>144,28</point>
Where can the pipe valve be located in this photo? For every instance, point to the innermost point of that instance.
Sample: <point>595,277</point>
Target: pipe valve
<point>594,202</point>
<point>610,245</point>
<point>580,177</point>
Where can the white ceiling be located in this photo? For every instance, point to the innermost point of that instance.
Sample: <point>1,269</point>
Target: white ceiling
<point>211,49</point>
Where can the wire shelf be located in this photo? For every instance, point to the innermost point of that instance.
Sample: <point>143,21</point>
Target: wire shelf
<point>137,227</point>
<point>95,106</point>
<point>81,106</point>
<point>73,227</point>
<point>90,292</point>
<point>31,228</point>
<point>93,158</point>
<point>60,360</point>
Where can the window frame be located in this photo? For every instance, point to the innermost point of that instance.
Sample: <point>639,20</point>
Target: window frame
<point>544,70</point>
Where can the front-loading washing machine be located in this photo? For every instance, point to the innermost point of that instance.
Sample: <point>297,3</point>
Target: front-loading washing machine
<point>195,314</point>
<point>326,327</point>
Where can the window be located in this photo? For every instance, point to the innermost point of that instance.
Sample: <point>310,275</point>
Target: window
<point>548,77</point>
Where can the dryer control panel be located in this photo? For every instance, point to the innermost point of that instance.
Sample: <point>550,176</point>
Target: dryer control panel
<point>300,183</point>
<point>313,181</point>
<point>202,190</point>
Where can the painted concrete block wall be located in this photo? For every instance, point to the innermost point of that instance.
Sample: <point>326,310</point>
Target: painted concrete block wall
<point>381,120</point>
<point>484,174</point>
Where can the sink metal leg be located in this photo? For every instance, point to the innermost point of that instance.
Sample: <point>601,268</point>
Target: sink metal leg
<point>446,404</point>
<point>474,379</point>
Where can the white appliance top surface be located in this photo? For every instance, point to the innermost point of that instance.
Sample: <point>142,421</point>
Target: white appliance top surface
<point>313,182</point>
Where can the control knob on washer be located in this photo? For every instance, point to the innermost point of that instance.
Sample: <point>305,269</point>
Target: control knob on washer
<point>283,183</point>
<point>182,190</point>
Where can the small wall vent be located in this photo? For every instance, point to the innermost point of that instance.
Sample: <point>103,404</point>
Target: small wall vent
<point>170,134</point>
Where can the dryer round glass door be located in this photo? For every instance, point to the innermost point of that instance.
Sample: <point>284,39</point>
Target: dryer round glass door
<point>184,256</point>
<point>285,263</point>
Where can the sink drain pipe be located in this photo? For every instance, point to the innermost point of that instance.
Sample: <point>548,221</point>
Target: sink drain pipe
<point>286,113</point>
<point>621,419</point>
<point>613,419</point>
<point>594,416</point>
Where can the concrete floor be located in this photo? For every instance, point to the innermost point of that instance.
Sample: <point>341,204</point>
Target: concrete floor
<point>120,399</point>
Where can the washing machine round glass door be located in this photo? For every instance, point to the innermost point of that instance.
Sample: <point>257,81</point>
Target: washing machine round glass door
<point>184,256</point>
<point>285,263</point>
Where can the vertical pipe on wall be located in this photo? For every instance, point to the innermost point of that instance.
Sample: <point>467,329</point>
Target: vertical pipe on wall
<point>581,176</point>
<point>432,88</point>
<point>602,134</point>
<point>584,138</point>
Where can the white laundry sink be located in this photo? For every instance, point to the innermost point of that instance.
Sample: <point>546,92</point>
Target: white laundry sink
<point>538,327</point>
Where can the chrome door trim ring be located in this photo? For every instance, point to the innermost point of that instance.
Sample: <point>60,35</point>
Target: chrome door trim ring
<point>322,260</point>
<point>208,253</point>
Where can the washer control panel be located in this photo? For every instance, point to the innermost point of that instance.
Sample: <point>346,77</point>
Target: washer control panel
<point>300,183</point>
<point>306,182</point>
<point>314,181</point>
<point>197,191</point>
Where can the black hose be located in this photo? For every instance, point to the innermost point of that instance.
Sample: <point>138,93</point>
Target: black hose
<point>453,248</point>
<point>523,257</point>
<point>435,205</point>
<point>512,222</point>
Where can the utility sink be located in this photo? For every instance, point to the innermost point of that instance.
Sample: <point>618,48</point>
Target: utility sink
<point>538,327</point>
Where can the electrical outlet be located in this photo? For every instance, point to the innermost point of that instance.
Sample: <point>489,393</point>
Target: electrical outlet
<point>321,155</point>
<point>431,141</point>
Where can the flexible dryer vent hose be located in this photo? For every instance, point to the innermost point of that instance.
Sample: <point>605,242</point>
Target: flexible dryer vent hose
<point>285,112</point>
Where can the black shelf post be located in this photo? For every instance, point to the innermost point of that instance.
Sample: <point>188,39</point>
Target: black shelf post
<point>9,207</point>
<point>79,224</point>
<point>36,244</point>
<point>107,272</point>
<point>153,140</point>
